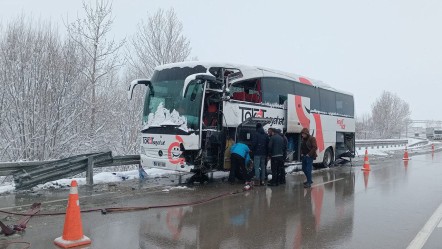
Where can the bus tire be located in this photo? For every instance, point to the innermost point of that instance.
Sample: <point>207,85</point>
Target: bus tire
<point>327,161</point>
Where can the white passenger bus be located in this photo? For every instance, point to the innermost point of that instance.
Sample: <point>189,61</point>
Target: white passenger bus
<point>193,111</point>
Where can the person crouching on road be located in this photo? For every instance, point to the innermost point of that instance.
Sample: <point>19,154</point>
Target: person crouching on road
<point>259,148</point>
<point>239,158</point>
<point>276,152</point>
<point>308,154</point>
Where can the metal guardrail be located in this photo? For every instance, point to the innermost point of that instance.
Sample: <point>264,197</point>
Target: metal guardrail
<point>419,143</point>
<point>30,174</point>
<point>378,144</point>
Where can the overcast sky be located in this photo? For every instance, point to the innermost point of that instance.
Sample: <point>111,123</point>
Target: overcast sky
<point>363,46</point>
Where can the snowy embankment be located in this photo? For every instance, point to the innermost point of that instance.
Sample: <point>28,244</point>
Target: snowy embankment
<point>391,150</point>
<point>103,177</point>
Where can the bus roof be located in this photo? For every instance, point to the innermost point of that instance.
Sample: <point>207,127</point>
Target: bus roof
<point>254,72</point>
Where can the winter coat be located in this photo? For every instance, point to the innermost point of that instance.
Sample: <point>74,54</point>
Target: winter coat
<point>309,146</point>
<point>241,150</point>
<point>276,145</point>
<point>260,142</point>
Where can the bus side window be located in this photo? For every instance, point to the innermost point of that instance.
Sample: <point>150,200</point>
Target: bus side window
<point>249,91</point>
<point>275,90</point>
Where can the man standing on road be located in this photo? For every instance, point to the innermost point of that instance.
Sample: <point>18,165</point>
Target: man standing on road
<point>259,148</point>
<point>276,152</point>
<point>308,154</point>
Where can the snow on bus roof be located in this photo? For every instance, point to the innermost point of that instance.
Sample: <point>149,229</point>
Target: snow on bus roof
<point>248,72</point>
<point>206,64</point>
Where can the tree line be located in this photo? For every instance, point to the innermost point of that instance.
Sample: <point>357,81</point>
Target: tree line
<point>388,119</point>
<point>62,95</point>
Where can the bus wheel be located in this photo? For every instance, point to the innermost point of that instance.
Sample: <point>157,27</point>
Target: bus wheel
<point>327,161</point>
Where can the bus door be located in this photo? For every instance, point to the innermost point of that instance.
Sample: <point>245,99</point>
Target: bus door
<point>298,117</point>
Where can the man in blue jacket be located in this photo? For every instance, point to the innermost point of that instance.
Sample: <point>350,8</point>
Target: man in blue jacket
<point>239,158</point>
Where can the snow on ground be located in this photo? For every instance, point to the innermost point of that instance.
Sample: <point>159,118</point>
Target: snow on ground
<point>103,177</point>
<point>177,188</point>
<point>389,150</point>
<point>6,188</point>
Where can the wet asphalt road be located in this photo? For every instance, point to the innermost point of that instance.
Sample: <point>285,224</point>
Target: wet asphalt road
<point>346,208</point>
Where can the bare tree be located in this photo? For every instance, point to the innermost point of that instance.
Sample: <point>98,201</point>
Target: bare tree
<point>90,33</point>
<point>38,73</point>
<point>158,41</point>
<point>364,127</point>
<point>389,114</point>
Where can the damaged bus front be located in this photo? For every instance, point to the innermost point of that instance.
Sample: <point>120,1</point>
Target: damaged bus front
<point>173,117</point>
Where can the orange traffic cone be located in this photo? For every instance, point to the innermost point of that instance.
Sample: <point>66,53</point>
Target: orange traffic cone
<point>366,166</point>
<point>73,229</point>
<point>406,154</point>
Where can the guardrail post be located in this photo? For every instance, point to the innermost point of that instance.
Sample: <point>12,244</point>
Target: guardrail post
<point>90,171</point>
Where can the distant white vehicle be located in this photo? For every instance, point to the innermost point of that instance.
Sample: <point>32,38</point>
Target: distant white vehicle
<point>434,133</point>
<point>437,134</point>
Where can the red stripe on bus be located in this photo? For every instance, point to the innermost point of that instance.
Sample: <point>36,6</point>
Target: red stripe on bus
<point>319,134</point>
<point>303,119</point>
<point>305,81</point>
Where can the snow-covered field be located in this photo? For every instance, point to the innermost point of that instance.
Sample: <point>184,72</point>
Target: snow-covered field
<point>107,177</point>
<point>386,151</point>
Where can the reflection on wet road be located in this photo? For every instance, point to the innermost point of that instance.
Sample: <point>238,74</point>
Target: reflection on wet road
<point>345,208</point>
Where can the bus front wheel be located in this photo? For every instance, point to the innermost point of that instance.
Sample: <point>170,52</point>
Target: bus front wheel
<point>327,161</point>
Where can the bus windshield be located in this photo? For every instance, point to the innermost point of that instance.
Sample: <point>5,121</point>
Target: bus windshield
<point>164,104</point>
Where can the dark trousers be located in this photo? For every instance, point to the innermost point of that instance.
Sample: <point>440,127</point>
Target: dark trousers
<point>238,168</point>
<point>278,174</point>
<point>307,167</point>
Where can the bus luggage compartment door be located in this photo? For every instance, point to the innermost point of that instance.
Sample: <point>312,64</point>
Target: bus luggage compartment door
<point>298,113</point>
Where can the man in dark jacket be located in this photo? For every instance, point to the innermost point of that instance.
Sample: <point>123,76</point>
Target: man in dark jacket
<point>276,153</point>
<point>259,148</point>
<point>308,153</point>
<point>281,173</point>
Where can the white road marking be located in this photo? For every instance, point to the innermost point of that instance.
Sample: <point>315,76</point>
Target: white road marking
<point>423,235</point>
<point>323,183</point>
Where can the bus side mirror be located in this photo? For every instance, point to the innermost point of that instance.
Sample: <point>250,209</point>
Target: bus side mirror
<point>205,77</point>
<point>138,82</point>
<point>202,77</point>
